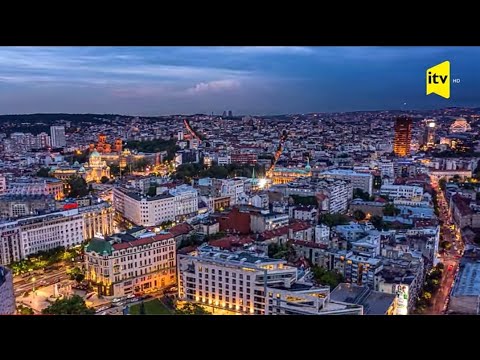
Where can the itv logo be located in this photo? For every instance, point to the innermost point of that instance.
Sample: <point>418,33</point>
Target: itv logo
<point>438,80</point>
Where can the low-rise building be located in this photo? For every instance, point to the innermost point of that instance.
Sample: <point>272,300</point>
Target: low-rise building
<point>409,192</point>
<point>359,180</point>
<point>303,213</point>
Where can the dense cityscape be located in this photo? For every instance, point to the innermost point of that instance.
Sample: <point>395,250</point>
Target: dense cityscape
<point>347,213</point>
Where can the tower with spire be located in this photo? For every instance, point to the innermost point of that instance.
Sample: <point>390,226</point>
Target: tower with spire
<point>308,168</point>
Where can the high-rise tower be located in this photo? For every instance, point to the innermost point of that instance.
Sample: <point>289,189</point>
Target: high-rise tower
<point>403,136</point>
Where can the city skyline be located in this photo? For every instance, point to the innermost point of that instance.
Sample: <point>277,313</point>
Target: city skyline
<point>265,80</point>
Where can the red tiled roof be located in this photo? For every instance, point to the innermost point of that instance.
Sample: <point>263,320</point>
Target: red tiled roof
<point>231,241</point>
<point>296,226</point>
<point>299,226</point>
<point>187,250</point>
<point>181,229</point>
<point>140,242</point>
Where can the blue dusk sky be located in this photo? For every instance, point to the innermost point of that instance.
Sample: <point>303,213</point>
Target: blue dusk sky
<point>246,80</point>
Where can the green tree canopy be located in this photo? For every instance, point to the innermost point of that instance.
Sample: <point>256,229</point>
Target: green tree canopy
<point>191,309</point>
<point>44,172</point>
<point>359,193</point>
<point>73,305</point>
<point>359,215</point>
<point>334,219</point>
<point>326,277</point>
<point>390,210</point>
<point>78,187</point>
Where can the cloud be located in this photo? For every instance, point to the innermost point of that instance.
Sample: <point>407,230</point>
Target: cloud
<point>264,49</point>
<point>214,86</point>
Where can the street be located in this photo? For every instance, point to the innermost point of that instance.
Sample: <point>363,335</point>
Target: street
<point>450,258</point>
<point>24,284</point>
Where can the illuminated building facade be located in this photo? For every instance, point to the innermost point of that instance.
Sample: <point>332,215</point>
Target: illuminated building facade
<point>243,283</point>
<point>403,136</point>
<point>282,175</point>
<point>103,147</point>
<point>429,134</point>
<point>96,168</point>
<point>124,264</point>
<point>460,126</point>
<point>36,186</point>
<point>98,219</point>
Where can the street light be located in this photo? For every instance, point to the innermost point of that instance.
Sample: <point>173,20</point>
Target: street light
<point>33,284</point>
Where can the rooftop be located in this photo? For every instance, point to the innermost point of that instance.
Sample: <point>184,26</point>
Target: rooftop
<point>468,280</point>
<point>345,172</point>
<point>373,302</point>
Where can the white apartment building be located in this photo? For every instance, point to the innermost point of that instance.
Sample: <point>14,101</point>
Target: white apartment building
<point>387,169</point>
<point>402,191</point>
<point>123,265</point>
<point>235,188</point>
<point>186,200</point>
<point>143,210</point>
<point>338,193</point>
<point>244,283</point>
<point>223,160</point>
<point>24,237</point>
<point>333,195</point>
<point>3,184</point>
<point>303,213</point>
<point>363,181</point>
<point>57,136</point>
<point>47,232</point>
<point>322,234</point>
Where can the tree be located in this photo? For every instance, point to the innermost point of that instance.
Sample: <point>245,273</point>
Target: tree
<point>359,193</point>
<point>334,219</point>
<point>152,190</point>
<point>445,245</point>
<point>442,183</point>
<point>191,309</point>
<point>25,310</point>
<point>104,180</point>
<point>78,187</point>
<point>327,277</point>
<point>73,305</point>
<point>142,309</point>
<point>359,215</point>
<point>304,200</point>
<point>476,239</point>
<point>390,210</point>
<point>44,172</point>
<point>377,222</point>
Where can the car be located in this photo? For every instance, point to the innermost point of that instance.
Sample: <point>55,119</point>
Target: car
<point>130,296</point>
<point>103,308</point>
<point>116,300</point>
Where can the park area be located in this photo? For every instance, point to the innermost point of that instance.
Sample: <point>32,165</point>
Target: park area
<point>152,307</point>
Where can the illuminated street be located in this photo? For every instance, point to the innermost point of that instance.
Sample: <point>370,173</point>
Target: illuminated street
<point>450,258</point>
